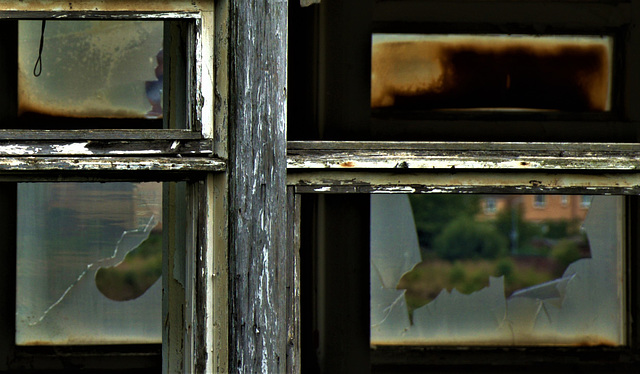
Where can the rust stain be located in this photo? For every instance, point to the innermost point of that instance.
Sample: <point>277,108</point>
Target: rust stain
<point>491,72</point>
<point>348,164</point>
<point>532,340</point>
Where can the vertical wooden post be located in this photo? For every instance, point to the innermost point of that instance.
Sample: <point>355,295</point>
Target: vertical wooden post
<point>258,254</point>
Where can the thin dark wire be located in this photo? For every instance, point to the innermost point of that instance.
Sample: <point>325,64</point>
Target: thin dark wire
<point>37,69</point>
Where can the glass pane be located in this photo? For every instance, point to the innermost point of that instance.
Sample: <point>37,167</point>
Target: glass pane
<point>91,69</point>
<point>491,72</point>
<point>89,262</point>
<point>498,269</point>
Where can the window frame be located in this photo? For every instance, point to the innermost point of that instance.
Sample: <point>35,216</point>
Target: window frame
<point>337,148</point>
<point>360,182</point>
<point>193,155</point>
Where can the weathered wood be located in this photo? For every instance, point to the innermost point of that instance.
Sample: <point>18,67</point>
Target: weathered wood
<point>334,181</point>
<point>174,249</point>
<point>551,147</point>
<point>292,275</point>
<point>257,124</point>
<point>176,8</point>
<point>107,148</point>
<point>443,182</point>
<point>97,15</point>
<point>584,15</point>
<point>124,134</point>
<point>112,164</point>
<point>463,155</point>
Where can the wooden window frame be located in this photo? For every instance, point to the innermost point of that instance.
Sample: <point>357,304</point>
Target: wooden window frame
<point>192,342</point>
<point>336,148</point>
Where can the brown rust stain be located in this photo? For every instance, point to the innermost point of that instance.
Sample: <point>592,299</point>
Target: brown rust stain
<point>491,72</point>
<point>348,164</point>
<point>531,340</point>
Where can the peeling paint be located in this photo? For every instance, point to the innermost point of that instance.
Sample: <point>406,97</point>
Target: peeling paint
<point>74,148</point>
<point>394,190</point>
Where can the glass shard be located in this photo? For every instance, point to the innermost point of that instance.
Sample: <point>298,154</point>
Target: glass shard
<point>497,270</point>
<point>89,258</point>
<point>491,72</point>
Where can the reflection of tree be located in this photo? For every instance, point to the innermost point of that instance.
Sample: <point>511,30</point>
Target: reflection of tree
<point>461,249</point>
<point>139,270</point>
<point>466,238</point>
<point>433,212</point>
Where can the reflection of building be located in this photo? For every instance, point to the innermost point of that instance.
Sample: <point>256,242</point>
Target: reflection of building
<point>537,208</point>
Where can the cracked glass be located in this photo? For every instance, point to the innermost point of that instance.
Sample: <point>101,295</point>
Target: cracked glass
<point>89,263</point>
<point>497,270</point>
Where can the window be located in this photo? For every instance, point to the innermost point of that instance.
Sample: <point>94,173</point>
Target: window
<point>107,164</point>
<point>349,155</point>
<point>585,201</point>
<point>490,205</point>
<point>539,201</point>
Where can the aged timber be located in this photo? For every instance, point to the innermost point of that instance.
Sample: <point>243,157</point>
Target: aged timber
<point>257,249</point>
<point>95,148</point>
<point>110,164</point>
<point>463,156</point>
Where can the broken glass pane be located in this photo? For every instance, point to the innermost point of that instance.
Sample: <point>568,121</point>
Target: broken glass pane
<point>97,69</point>
<point>89,262</point>
<point>497,269</point>
<point>491,72</point>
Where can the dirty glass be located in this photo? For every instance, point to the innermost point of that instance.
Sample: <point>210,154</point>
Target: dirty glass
<point>497,270</point>
<point>89,262</point>
<point>491,72</point>
<point>91,69</point>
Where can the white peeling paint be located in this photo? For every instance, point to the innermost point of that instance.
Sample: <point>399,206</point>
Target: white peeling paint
<point>136,152</point>
<point>323,189</point>
<point>19,150</point>
<point>73,148</point>
<point>395,190</point>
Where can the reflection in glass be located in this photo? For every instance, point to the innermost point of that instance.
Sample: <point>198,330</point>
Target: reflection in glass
<point>491,72</point>
<point>496,269</point>
<point>89,259</point>
<point>98,69</point>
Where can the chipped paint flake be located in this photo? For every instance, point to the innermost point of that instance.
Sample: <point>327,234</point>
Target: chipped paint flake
<point>395,190</point>
<point>73,148</point>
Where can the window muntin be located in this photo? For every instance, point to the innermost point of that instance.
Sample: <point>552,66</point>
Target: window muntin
<point>188,26</point>
<point>582,303</point>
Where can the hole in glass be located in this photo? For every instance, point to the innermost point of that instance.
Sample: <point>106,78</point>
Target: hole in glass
<point>89,259</point>
<point>491,72</point>
<point>498,269</point>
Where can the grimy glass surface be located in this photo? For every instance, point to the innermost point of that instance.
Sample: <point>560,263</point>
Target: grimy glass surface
<point>491,72</point>
<point>91,69</point>
<point>89,262</point>
<point>507,270</point>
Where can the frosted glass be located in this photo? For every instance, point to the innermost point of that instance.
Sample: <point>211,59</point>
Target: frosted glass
<point>491,72</point>
<point>573,265</point>
<point>105,69</point>
<point>89,259</point>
